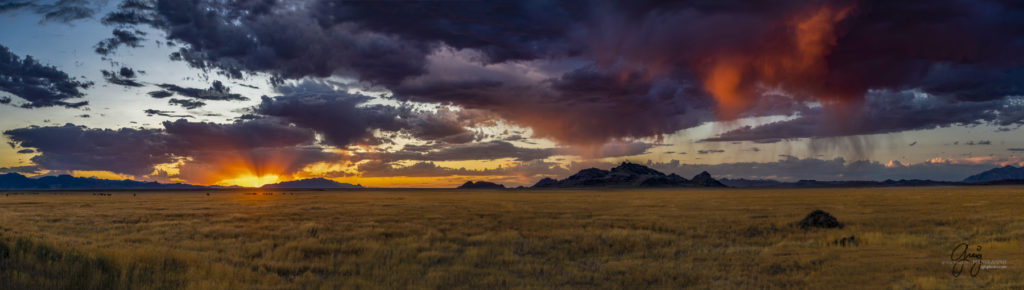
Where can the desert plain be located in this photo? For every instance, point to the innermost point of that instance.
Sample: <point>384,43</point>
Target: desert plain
<point>902,238</point>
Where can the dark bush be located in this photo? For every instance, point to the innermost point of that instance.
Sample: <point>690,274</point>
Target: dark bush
<point>819,219</point>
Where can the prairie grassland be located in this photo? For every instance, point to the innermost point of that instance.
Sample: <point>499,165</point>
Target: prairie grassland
<point>726,238</point>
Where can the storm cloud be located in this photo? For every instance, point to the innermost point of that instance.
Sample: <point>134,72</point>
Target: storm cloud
<point>70,147</point>
<point>884,112</point>
<point>210,151</point>
<point>472,151</point>
<point>347,118</point>
<point>38,84</point>
<point>586,74</point>
<point>403,87</point>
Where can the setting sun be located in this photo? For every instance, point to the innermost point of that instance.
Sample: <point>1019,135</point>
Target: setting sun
<point>250,180</point>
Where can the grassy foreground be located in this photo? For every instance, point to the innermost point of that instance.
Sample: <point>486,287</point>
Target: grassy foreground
<point>509,239</point>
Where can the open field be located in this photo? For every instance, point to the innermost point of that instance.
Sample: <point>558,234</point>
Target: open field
<point>726,238</point>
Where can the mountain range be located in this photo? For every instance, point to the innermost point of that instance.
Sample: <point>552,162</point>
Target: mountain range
<point>15,181</point>
<point>769,183</point>
<point>628,175</point>
<point>480,185</point>
<point>995,174</point>
<point>12,181</point>
<point>312,183</point>
<point>624,175</point>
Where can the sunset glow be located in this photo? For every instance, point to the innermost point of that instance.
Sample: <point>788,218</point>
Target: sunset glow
<point>250,180</point>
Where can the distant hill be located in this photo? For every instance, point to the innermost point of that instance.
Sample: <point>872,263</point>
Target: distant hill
<point>769,183</point>
<point>312,183</point>
<point>997,174</point>
<point>481,185</point>
<point>744,183</point>
<point>628,175</point>
<point>15,181</point>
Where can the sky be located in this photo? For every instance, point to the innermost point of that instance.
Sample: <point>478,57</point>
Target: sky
<point>435,93</point>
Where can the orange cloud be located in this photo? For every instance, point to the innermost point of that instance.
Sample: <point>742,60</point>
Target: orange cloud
<point>794,60</point>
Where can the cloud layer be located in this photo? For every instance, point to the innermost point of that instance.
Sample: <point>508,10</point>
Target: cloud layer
<point>402,88</point>
<point>207,150</point>
<point>589,74</point>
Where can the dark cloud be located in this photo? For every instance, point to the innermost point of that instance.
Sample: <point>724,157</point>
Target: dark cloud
<point>26,151</point>
<point>239,135</point>
<point>130,38</point>
<point>59,11</point>
<point>1015,149</point>
<point>29,169</point>
<point>336,115</point>
<point>131,12</point>
<point>315,46</point>
<point>460,138</point>
<point>6,6</point>
<point>70,147</point>
<point>38,84</point>
<point>841,50</point>
<point>346,119</point>
<point>611,149</point>
<point>980,142</point>
<point>497,149</point>
<point>211,152</point>
<point>445,125</point>
<point>523,172</point>
<point>565,109</point>
<point>376,168</point>
<point>710,151</point>
<point>187,104</point>
<point>162,113</point>
<point>216,92</point>
<point>160,94</point>
<point>597,72</point>
<point>882,112</point>
<point>471,151</point>
<point>123,77</point>
<point>263,48</point>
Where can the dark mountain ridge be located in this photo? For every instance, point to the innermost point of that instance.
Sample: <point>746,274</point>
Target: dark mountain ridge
<point>996,174</point>
<point>312,183</point>
<point>15,181</point>
<point>481,185</point>
<point>625,175</point>
<point>628,175</point>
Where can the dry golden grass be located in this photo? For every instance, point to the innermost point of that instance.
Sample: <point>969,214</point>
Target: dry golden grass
<point>509,239</point>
